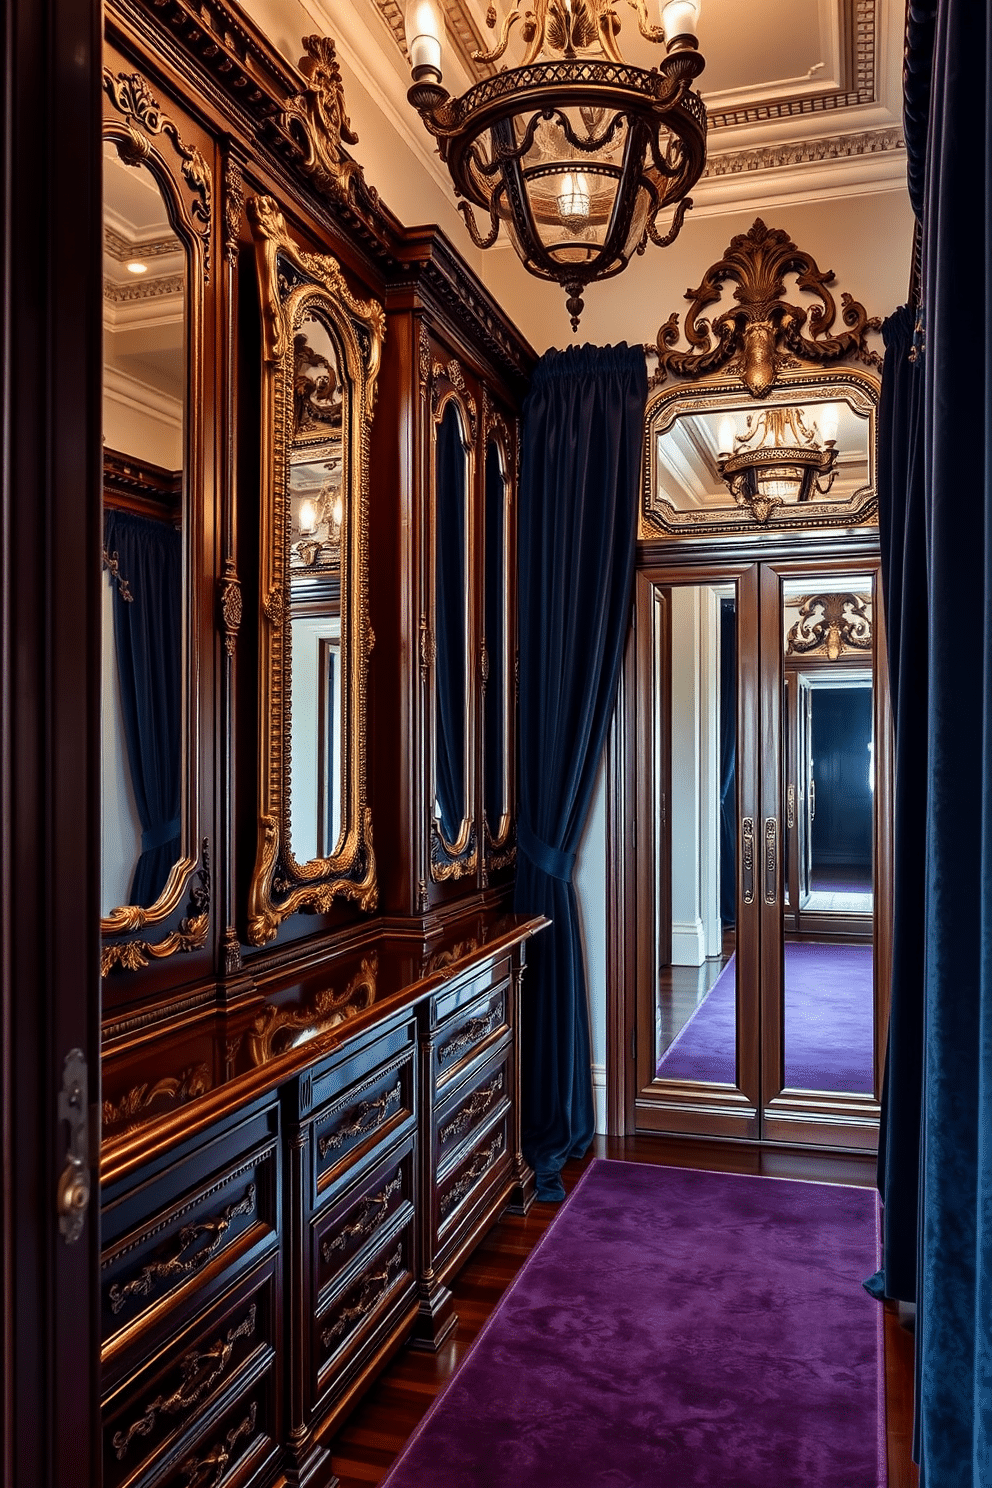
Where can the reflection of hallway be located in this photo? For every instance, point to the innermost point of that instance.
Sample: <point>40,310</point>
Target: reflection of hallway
<point>682,989</point>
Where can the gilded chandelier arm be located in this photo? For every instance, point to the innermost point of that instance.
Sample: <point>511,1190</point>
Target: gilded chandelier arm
<point>473,227</point>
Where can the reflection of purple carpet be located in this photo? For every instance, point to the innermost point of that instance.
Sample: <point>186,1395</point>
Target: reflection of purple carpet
<point>828,1023</point>
<point>674,1329</point>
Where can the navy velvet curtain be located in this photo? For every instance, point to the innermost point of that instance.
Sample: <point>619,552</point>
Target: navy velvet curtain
<point>902,528</point>
<point>582,430</point>
<point>148,642</point>
<point>449,606</point>
<point>950,43</point>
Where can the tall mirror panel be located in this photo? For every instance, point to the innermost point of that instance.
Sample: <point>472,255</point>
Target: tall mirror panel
<point>453,731</point>
<point>497,738</point>
<point>148,765</point>
<point>697,981</point>
<point>828,758</point>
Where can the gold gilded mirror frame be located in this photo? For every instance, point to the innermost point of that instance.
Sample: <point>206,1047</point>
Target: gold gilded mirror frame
<point>739,421</point>
<point>460,857</point>
<point>294,285</point>
<point>139,136</point>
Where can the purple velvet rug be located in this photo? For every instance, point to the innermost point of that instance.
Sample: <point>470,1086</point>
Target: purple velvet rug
<point>829,1023</point>
<point>674,1329</point>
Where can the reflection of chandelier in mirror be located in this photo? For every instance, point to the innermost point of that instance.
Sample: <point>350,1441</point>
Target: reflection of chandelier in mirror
<point>319,521</point>
<point>779,459</point>
<point>579,155</point>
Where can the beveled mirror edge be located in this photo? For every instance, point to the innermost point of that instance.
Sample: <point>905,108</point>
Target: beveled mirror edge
<point>460,858</point>
<point>136,147</point>
<point>351,873</point>
<point>658,517</point>
<point>500,850</point>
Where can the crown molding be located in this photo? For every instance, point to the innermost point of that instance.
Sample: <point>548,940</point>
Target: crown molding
<point>129,393</point>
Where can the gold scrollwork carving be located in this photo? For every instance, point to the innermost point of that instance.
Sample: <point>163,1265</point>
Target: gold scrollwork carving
<point>360,1125</point>
<point>428,648</point>
<point>231,605</point>
<point>370,1218</point>
<point>762,332</point>
<point>830,623</point>
<point>189,935</point>
<point>477,1169</point>
<point>277,1029</point>
<point>317,119</point>
<point>200,1371</point>
<point>207,1471</point>
<point>132,97</point>
<point>185,1260</point>
<point>234,208</point>
<point>293,285</point>
<point>444,866</point>
<point>171,1090</point>
<point>374,1288</point>
<point>451,372</point>
<point>477,1105</point>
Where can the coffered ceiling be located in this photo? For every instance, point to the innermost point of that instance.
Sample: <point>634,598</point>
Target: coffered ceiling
<point>803,96</point>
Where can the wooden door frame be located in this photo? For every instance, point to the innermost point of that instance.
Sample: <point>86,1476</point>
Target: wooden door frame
<point>50,758</point>
<point>860,548</point>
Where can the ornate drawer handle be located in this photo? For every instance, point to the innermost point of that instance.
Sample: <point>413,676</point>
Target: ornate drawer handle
<point>368,1220</point>
<point>198,1469</point>
<point>375,1288</point>
<point>747,859</point>
<point>358,1127</point>
<point>200,1372</point>
<point>478,1028</point>
<point>183,1263</point>
<point>477,1106</point>
<point>483,1162</point>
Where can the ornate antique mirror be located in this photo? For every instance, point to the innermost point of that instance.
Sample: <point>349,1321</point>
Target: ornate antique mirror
<point>156,230</point>
<point>321,350</point>
<point>498,668</point>
<point>454,843</point>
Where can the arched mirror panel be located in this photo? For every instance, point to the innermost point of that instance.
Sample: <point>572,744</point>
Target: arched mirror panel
<point>453,839</point>
<point>156,232</point>
<point>321,349</point>
<point>499,668</point>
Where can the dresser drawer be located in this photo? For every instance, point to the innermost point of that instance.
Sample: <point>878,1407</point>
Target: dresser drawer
<point>479,1168</point>
<point>385,1193</point>
<point>366,1300</point>
<point>368,1113</point>
<point>147,1419</point>
<point>183,1228</point>
<point>233,1449</point>
<point>475,1101</point>
<point>467,1032</point>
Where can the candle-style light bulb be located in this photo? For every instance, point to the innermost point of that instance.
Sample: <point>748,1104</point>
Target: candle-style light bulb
<point>424,29</point>
<point>725,435</point>
<point>679,18</point>
<point>308,518</point>
<point>828,421</point>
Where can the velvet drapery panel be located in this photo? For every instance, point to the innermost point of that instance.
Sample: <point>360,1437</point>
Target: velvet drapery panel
<point>902,530</point>
<point>148,638</point>
<point>582,430</point>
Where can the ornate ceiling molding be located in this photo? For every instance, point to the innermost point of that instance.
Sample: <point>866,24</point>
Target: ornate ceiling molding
<point>461,30</point>
<point>122,248</point>
<point>165,286</point>
<point>804,152</point>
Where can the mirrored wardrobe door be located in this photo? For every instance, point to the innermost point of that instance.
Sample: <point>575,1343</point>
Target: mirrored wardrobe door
<point>499,653</point>
<point>155,230</point>
<point>696,923</point>
<point>821,802</point>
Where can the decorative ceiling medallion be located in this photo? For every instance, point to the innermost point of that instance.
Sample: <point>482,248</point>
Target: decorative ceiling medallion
<point>763,332</point>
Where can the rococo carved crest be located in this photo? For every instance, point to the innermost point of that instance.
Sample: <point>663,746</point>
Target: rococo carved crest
<point>317,120</point>
<point>763,332</point>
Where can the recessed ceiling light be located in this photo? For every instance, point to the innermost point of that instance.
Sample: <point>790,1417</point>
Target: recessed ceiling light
<point>135,267</point>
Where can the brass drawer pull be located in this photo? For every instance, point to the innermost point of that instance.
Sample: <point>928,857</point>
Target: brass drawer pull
<point>200,1372</point>
<point>477,1106</point>
<point>483,1162</point>
<point>371,1215</point>
<point>198,1470</point>
<point>361,1126</point>
<point>472,1033</point>
<point>185,1261</point>
<point>375,1288</point>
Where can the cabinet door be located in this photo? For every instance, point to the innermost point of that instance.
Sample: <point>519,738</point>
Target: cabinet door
<point>697,870</point>
<point>499,656</point>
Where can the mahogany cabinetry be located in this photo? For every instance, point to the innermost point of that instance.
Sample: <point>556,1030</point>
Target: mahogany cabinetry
<point>311,975</point>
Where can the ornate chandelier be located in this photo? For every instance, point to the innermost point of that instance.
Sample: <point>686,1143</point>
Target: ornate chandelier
<point>578,154</point>
<point>778,459</point>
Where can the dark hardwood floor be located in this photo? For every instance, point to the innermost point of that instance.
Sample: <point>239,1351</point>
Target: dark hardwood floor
<point>376,1433</point>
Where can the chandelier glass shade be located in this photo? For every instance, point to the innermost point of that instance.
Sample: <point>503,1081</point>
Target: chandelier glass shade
<point>779,459</point>
<point>579,154</point>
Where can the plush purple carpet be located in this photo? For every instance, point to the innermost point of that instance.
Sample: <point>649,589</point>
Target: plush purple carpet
<point>674,1329</point>
<point>829,1023</point>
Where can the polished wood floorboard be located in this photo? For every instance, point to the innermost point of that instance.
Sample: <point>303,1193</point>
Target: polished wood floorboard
<point>376,1433</point>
